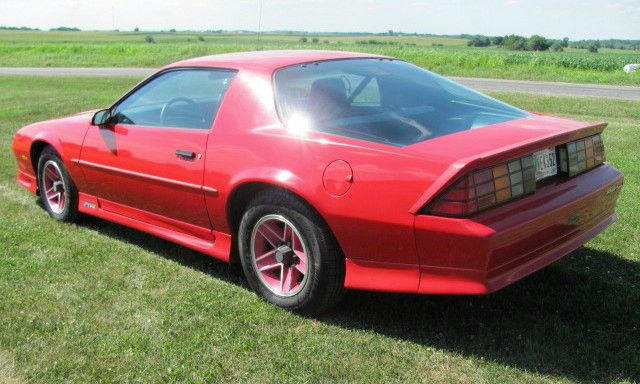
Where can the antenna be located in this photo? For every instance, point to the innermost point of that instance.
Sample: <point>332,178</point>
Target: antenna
<point>113,17</point>
<point>259,19</point>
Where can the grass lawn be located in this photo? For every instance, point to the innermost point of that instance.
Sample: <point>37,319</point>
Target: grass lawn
<point>98,302</point>
<point>448,56</point>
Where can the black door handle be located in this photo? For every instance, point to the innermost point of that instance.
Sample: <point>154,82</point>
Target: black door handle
<point>185,154</point>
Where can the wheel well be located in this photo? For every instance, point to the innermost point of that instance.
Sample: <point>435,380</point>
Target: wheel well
<point>34,154</point>
<point>241,197</point>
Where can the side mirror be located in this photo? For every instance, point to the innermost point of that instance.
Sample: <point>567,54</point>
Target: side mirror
<point>102,117</point>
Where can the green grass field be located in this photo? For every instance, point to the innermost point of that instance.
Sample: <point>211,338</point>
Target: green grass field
<point>447,56</point>
<point>98,302</point>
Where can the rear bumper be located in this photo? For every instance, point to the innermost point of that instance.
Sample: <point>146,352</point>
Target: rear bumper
<point>498,247</point>
<point>493,249</point>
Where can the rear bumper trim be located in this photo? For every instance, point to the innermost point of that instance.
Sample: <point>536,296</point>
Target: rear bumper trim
<point>457,281</point>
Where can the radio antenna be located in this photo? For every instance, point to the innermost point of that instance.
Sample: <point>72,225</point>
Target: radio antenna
<point>259,20</point>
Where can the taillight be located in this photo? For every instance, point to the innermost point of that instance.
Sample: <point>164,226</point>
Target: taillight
<point>486,188</point>
<point>489,187</point>
<point>581,155</point>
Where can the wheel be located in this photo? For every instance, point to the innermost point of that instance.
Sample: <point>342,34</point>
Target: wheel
<point>57,191</point>
<point>288,254</point>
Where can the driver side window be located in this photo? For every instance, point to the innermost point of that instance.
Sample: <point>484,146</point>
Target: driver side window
<point>186,98</point>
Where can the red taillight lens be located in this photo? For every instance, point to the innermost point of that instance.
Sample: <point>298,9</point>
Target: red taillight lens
<point>581,155</point>
<point>485,188</point>
<point>488,187</point>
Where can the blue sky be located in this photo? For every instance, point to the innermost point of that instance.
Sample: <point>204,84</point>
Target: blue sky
<point>583,19</point>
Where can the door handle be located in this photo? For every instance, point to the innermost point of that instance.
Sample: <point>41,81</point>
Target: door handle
<point>185,155</point>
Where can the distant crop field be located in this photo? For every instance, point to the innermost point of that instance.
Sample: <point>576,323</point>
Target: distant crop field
<point>447,56</point>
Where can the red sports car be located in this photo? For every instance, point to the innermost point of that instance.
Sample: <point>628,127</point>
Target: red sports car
<point>321,171</point>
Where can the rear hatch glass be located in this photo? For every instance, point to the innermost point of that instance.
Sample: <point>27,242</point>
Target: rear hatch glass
<point>382,100</point>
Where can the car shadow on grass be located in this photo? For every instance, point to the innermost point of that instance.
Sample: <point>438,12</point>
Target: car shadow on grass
<point>578,319</point>
<point>168,250</point>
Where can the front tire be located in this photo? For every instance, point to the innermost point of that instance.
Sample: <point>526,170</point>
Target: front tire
<point>58,193</point>
<point>288,255</point>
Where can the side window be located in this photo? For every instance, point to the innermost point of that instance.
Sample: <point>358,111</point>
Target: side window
<point>182,99</point>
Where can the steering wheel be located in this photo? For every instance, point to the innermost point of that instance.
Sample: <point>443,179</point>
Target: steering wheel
<point>175,100</point>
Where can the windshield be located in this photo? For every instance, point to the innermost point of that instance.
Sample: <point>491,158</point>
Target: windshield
<point>382,100</point>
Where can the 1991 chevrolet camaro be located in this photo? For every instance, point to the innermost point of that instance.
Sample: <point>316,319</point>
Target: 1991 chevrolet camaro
<point>324,170</point>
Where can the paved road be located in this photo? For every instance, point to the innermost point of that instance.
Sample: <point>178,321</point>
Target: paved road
<point>552,88</point>
<point>541,87</point>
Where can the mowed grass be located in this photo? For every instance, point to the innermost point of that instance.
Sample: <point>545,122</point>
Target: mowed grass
<point>448,56</point>
<point>98,302</point>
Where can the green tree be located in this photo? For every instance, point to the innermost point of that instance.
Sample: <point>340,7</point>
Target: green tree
<point>565,42</point>
<point>557,47</point>
<point>479,42</point>
<point>515,43</point>
<point>537,43</point>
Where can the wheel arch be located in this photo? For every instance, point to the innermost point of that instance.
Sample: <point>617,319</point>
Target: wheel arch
<point>242,194</point>
<point>42,140</point>
<point>37,146</point>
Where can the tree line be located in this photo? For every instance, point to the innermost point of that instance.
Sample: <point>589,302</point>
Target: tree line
<point>540,43</point>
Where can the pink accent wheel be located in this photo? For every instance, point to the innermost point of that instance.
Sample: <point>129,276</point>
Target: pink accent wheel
<point>279,255</point>
<point>54,188</point>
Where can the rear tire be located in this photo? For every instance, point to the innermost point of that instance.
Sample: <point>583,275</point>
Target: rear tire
<point>288,255</point>
<point>58,192</point>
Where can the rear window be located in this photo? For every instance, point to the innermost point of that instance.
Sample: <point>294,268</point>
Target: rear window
<point>382,100</point>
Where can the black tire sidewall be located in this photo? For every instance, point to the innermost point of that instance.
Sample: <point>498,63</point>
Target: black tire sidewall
<point>71,196</point>
<point>321,273</point>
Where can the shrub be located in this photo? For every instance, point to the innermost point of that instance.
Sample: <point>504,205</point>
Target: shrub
<point>537,43</point>
<point>557,47</point>
<point>565,42</point>
<point>200,38</point>
<point>303,39</point>
<point>498,40</point>
<point>592,48</point>
<point>479,42</point>
<point>136,29</point>
<point>515,43</point>
<point>314,40</point>
<point>66,29</point>
<point>149,39</point>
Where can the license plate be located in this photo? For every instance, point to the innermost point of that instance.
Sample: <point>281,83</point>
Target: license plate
<point>545,162</point>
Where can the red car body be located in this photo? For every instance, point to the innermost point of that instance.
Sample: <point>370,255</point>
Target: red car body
<point>370,194</point>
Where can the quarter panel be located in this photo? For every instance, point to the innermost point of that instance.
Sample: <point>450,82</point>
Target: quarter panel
<point>371,221</point>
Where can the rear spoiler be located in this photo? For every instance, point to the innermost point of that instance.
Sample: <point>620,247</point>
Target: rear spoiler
<point>464,166</point>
